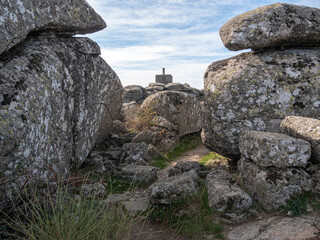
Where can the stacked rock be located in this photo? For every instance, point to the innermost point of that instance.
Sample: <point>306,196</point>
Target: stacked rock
<point>256,90</point>
<point>137,94</point>
<point>272,167</point>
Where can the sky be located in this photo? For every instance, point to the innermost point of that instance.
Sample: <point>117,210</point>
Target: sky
<point>143,36</point>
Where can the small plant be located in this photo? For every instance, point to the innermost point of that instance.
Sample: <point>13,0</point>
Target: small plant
<point>190,216</point>
<point>212,156</point>
<point>63,216</point>
<point>296,205</point>
<point>186,143</point>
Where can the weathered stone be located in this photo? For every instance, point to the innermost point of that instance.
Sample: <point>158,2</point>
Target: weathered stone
<point>157,85</point>
<point>255,91</point>
<point>137,205</point>
<point>133,93</point>
<point>153,151</point>
<point>118,128</point>
<point>164,123</point>
<point>274,149</point>
<point>135,154</point>
<point>155,88</point>
<point>304,128</point>
<point>232,218</point>
<point>175,87</point>
<point>181,109</point>
<point>58,98</point>
<point>224,193</point>
<point>186,166</point>
<point>277,228</point>
<point>275,25</point>
<point>116,198</point>
<point>21,17</point>
<point>93,190</point>
<point>272,187</point>
<point>129,110</point>
<point>166,191</point>
<point>146,136</point>
<point>138,173</point>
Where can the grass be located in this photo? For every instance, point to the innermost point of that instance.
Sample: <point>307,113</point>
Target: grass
<point>186,143</point>
<point>190,216</point>
<point>64,216</point>
<point>212,156</point>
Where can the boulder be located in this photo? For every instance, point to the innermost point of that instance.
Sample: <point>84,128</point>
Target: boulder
<point>135,154</point>
<point>133,93</point>
<point>180,109</point>
<point>224,193</point>
<point>164,123</point>
<point>255,91</point>
<point>21,17</point>
<point>276,25</point>
<point>272,187</point>
<point>274,149</point>
<point>58,99</point>
<point>138,173</point>
<point>168,190</point>
<point>118,128</point>
<point>175,87</point>
<point>93,190</point>
<point>304,128</point>
<point>186,166</point>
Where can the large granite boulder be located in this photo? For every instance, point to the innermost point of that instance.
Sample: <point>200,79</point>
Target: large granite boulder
<point>274,149</point>
<point>304,128</point>
<point>255,91</point>
<point>272,187</point>
<point>134,93</point>
<point>135,154</point>
<point>58,98</point>
<point>180,109</point>
<point>224,193</point>
<point>275,25</point>
<point>67,17</point>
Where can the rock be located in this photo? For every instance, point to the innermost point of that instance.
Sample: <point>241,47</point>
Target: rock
<point>146,136</point>
<point>19,18</point>
<point>93,190</point>
<point>98,162</point>
<point>135,154</point>
<point>255,91</point>
<point>138,173</point>
<point>157,85</point>
<point>164,123</point>
<point>277,228</point>
<point>175,87</point>
<point>137,205</point>
<point>224,193</point>
<point>186,166</point>
<point>168,190</point>
<point>153,151</point>
<point>272,187</point>
<point>129,110</point>
<point>118,128</point>
<point>60,98</point>
<point>304,128</point>
<point>155,88</point>
<point>180,109</point>
<point>133,93</point>
<point>232,218</point>
<point>116,198</point>
<point>274,149</point>
<point>276,25</point>
<point>186,85</point>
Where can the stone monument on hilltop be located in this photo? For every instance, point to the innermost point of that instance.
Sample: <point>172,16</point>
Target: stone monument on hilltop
<point>164,78</point>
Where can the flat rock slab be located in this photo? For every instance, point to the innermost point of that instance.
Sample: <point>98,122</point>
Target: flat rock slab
<point>255,91</point>
<point>277,228</point>
<point>274,149</point>
<point>273,25</point>
<point>271,186</point>
<point>166,191</point>
<point>224,193</point>
<point>304,128</point>
<point>68,17</point>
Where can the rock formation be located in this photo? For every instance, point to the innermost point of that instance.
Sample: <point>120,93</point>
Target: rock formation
<point>256,90</point>
<point>58,96</point>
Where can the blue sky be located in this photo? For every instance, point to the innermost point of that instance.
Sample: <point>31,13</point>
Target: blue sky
<point>181,35</point>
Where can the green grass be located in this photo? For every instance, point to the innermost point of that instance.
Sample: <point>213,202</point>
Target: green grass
<point>211,156</point>
<point>62,216</point>
<point>190,216</point>
<point>186,143</point>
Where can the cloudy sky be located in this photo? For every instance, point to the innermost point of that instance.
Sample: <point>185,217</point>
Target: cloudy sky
<point>181,35</point>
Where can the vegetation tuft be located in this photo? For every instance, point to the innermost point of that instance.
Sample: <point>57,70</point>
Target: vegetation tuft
<point>190,216</point>
<point>186,143</point>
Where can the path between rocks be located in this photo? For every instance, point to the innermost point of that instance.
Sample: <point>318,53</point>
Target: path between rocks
<point>192,155</point>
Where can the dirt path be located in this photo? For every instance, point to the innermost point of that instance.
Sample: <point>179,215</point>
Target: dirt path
<point>193,155</point>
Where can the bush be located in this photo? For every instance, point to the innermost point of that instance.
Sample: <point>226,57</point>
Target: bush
<point>64,216</point>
